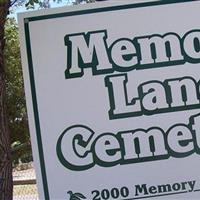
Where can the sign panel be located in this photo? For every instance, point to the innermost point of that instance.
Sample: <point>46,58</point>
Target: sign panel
<point>114,99</point>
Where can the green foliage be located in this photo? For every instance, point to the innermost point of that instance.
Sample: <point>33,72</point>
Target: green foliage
<point>32,4</point>
<point>2,1</point>
<point>17,117</point>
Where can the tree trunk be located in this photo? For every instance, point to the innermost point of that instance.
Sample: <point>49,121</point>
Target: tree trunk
<point>6,185</point>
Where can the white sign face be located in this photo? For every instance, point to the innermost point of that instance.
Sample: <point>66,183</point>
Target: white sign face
<point>113,99</point>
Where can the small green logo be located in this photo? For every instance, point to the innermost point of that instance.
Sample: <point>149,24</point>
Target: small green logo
<point>75,196</point>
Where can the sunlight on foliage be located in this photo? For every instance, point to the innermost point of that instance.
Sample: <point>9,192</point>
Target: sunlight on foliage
<point>17,117</point>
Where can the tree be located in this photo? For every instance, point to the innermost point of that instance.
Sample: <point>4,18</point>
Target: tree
<point>15,98</point>
<point>5,154</point>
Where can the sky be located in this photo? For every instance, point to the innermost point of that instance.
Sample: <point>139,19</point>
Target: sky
<point>17,9</point>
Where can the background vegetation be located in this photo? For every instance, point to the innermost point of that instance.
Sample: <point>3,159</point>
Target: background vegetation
<point>15,100</point>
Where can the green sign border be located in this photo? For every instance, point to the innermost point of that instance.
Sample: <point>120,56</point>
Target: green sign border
<point>31,72</point>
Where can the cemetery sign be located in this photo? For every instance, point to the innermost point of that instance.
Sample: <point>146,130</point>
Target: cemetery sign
<point>113,98</point>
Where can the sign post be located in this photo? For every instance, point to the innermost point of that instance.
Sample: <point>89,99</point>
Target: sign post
<point>113,99</point>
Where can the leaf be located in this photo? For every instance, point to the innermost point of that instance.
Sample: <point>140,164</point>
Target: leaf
<point>31,2</point>
<point>27,4</point>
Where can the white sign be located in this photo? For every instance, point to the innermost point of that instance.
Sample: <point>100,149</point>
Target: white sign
<point>113,99</point>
